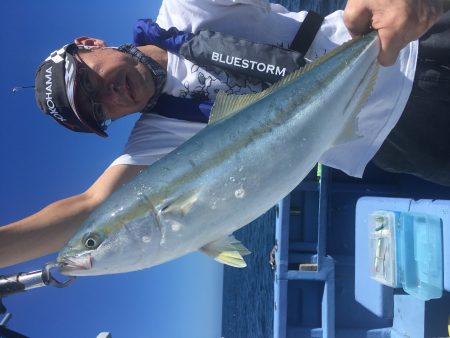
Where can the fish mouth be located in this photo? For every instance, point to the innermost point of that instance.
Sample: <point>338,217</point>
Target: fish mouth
<point>69,265</point>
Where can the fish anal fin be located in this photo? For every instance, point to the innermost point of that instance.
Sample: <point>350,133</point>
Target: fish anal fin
<point>227,251</point>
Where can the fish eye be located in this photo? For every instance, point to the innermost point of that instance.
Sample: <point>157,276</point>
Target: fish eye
<point>91,241</point>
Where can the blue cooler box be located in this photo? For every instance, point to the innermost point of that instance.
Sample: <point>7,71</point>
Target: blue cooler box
<point>405,250</point>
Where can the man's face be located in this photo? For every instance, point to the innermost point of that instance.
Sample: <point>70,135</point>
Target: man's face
<point>124,85</point>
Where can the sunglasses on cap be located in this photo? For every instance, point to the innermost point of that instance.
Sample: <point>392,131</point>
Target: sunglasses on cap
<point>85,98</point>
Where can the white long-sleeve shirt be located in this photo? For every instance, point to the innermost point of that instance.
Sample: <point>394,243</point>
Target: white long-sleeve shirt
<point>259,21</point>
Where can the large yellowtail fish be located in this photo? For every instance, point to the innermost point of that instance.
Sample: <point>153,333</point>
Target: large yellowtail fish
<point>254,151</point>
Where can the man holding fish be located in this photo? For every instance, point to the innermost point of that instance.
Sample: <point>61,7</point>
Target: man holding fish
<point>142,78</point>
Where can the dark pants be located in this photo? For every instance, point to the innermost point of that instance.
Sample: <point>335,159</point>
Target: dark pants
<point>420,142</point>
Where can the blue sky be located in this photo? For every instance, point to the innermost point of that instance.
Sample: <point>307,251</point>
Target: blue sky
<point>42,162</point>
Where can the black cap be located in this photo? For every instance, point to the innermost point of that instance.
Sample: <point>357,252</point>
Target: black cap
<point>56,87</point>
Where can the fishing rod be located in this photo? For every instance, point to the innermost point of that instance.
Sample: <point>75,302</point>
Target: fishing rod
<point>17,88</point>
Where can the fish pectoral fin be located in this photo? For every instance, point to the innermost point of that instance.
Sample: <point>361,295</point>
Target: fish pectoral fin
<point>227,251</point>
<point>181,205</point>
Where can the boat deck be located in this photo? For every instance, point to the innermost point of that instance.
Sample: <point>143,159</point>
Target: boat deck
<point>322,286</point>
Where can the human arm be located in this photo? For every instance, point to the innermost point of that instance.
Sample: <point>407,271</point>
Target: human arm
<point>49,229</point>
<point>398,21</point>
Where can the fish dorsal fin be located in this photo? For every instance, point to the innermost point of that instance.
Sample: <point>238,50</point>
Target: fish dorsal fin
<point>227,105</point>
<point>349,131</point>
<point>227,250</point>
